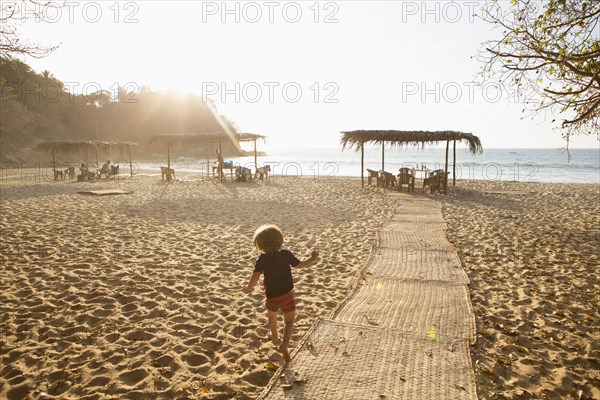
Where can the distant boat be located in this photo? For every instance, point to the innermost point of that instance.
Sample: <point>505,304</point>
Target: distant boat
<point>512,152</point>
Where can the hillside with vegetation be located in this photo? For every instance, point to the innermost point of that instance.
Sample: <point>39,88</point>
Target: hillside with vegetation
<point>36,107</point>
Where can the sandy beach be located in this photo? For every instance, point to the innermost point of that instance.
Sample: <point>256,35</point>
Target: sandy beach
<point>532,253</point>
<point>139,296</point>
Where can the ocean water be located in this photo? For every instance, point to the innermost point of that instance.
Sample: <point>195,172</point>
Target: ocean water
<point>521,165</point>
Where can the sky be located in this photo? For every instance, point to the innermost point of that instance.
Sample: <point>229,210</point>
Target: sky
<point>299,72</point>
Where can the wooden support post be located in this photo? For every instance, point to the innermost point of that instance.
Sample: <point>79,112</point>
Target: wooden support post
<point>130,164</point>
<point>454,166</point>
<point>383,156</point>
<point>221,166</point>
<point>168,161</point>
<point>362,164</point>
<point>255,158</point>
<point>87,167</point>
<point>53,163</point>
<point>446,168</point>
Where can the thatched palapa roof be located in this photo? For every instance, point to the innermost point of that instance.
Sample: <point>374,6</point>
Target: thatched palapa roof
<point>249,137</point>
<point>408,138</point>
<point>75,146</point>
<point>197,139</point>
<point>357,139</point>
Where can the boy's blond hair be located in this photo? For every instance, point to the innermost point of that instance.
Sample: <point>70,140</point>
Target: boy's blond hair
<point>268,238</point>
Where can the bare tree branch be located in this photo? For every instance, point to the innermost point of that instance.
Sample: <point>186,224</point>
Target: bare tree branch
<point>552,48</point>
<point>12,45</point>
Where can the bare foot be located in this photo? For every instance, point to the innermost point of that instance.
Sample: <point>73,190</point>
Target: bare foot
<point>276,341</point>
<point>285,352</point>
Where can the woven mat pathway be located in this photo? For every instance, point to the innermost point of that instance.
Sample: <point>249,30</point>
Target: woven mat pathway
<point>405,329</point>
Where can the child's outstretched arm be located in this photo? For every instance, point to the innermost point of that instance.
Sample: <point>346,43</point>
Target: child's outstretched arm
<point>253,279</point>
<point>310,260</point>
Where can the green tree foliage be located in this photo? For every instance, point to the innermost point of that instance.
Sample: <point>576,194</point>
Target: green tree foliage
<point>549,52</point>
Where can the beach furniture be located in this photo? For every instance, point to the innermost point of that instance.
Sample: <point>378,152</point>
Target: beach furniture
<point>227,164</point>
<point>440,172</point>
<point>70,171</point>
<point>262,172</point>
<point>168,173</point>
<point>58,174</point>
<point>436,181</point>
<point>114,170</point>
<point>406,177</point>
<point>243,174</point>
<point>76,146</point>
<point>86,174</point>
<point>387,179</point>
<point>373,174</point>
<point>359,138</point>
<point>421,172</point>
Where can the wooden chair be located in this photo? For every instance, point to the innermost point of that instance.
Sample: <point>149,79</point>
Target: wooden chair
<point>262,172</point>
<point>70,171</point>
<point>114,170</point>
<point>243,174</point>
<point>387,179</point>
<point>373,174</point>
<point>436,181</point>
<point>443,174</point>
<point>406,177</point>
<point>86,173</point>
<point>167,172</point>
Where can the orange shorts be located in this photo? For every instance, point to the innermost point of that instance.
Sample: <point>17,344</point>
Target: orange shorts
<point>285,303</point>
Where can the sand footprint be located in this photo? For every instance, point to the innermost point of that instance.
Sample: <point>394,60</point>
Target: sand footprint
<point>132,378</point>
<point>195,359</point>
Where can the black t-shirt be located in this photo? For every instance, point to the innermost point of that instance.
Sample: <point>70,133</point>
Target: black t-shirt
<point>276,268</point>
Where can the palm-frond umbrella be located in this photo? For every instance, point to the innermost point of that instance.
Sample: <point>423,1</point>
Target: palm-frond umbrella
<point>76,146</point>
<point>199,139</point>
<point>251,137</point>
<point>357,139</point>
